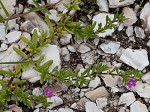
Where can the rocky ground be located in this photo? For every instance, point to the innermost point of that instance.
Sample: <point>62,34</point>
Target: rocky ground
<point>127,47</point>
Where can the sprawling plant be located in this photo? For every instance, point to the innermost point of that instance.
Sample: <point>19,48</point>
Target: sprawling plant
<point>12,88</point>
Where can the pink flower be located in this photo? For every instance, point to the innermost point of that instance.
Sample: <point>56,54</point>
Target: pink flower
<point>48,92</point>
<point>131,83</point>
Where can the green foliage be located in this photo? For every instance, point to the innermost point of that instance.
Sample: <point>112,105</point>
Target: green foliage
<point>74,5</point>
<point>44,70</point>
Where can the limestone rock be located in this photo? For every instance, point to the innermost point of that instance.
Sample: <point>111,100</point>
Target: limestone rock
<point>101,102</point>
<point>9,56</point>
<point>129,31</point>
<point>65,110</point>
<point>103,5</point>
<point>36,20</point>
<point>27,26</point>
<point>97,93</point>
<point>56,101</point>
<point>111,47</point>
<point>13,36</point>
<point>65,54</point>
<point>142,89</point>
<point>91,107</point>
<point>111,81</point>
<point>145,13</point>
<point>94,83</point>
<point>31,75</point>
<point>130,14</point>
<point>127,99</point>
<point>2,31</point>
<point>101,18</point>
<point>138,107</point>
<point>138,59</point>
<point>83,48</point>
<point>139,32</point>
<point>117,3</point>
<point>53,15</point>
<point>146,78</point>
<point>89,57</point>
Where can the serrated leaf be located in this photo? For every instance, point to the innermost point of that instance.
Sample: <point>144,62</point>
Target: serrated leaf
<point>20,52</point>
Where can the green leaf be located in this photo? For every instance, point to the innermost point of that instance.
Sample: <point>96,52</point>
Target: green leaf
<point>34,38</point>
<point>3,7</point>
<point>19,82</point>
<point>51,29</point>
<point>1,18</point>
<point>24,39</point>
<point>5,72</point>
<point>20,52</point>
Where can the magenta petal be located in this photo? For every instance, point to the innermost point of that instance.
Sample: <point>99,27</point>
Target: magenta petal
<point>48,92</point>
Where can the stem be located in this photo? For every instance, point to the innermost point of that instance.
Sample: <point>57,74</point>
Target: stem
<point>23,14</point>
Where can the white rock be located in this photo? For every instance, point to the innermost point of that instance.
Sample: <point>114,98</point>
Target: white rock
<point>111,81</point>
<point>127,98</point>
<point>101,18</point>
<point>2,31</point>
<point>71,48</point>
<point>53,15</point>
<point>97,93</point>
<point>117,3</point>
<point>11,24</point>
<point>37,110</point>
<point>91,107</point>
<point>148,23</point>
<point>9,56</point>
<point>129,31</point>
<point>3,47</point>
<point>56,101</point>
<point>9,5</point>
<point>36,20</point>
<point>65,39</point>
<point>22,44</point>
<point>60,6</point>
<point>89,57</point>
<point>13,36</point>
<point>101,102</point>
<point>111,47</point>
<point>130,14</point>
<point>94,83</point>
<point>65,53</point>
<point>19,9</point>
<point>51,52</point>
<point>37,91</point>
<point>83,48</point>
<point>121,26</point>
<point>146,78</point>
<point>103,5</point>
<point>139,32</point>
<point>142,89</point>
<point>138,59</point>
<point>145,13</point>
<point>65,110</point>
<point>148,43</point>
<point>31,75</point>
<point>114,89</point>
<point>138,107</point>
<point>27,26</point>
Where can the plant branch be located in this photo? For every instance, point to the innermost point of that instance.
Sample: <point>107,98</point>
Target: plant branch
<point>25,13</point>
